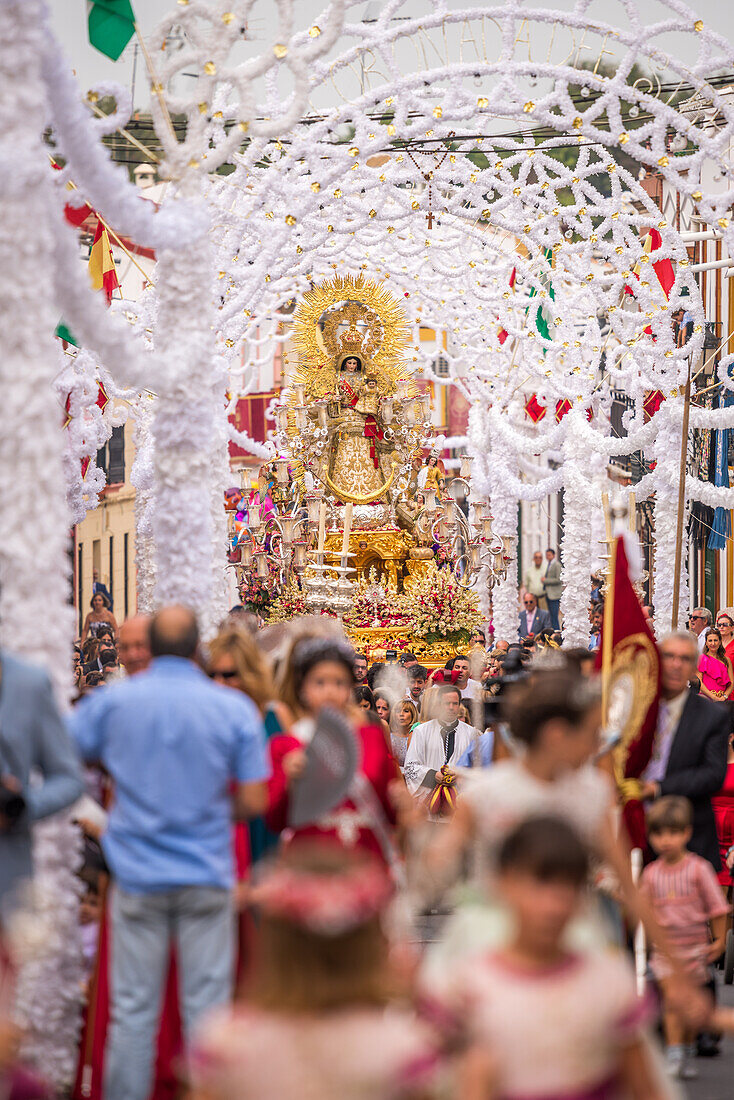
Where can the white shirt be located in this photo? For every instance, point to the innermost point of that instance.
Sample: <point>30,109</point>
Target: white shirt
<point>533,579</point>
<point>426,751</point>
<point>503,796</point>
<point>702,639</point>
<point>473,689</point>
<point>529,616</point>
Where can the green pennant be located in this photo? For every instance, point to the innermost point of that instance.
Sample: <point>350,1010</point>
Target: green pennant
<point>64,333</point>
<point>541,324</point>
<point>111,25</point>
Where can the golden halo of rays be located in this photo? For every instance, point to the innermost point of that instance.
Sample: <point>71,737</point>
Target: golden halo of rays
<point>383,348</point>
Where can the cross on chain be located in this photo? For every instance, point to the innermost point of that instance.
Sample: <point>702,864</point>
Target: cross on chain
<point>428,176</point>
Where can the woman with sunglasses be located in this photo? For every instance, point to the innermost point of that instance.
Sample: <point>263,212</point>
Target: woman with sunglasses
<point>725,627</point>
<point>235,661</point>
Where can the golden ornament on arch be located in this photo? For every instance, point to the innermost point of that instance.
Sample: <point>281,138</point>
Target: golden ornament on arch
<point>210,68</point>
<point>280,50</point>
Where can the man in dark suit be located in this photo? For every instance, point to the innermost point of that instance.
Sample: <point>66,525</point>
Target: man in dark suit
<point>690,747</point>
<point>533,621</point>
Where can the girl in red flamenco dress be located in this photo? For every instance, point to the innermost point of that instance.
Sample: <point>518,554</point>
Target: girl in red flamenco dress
<point>319,674</point>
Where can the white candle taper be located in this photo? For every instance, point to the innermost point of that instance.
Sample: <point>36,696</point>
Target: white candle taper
<point>322,526</point>
<point>347,528</point>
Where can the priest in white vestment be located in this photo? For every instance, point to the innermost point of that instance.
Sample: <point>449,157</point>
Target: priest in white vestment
<point>441,741</point>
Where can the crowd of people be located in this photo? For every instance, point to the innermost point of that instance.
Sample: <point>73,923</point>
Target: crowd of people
<point>307,871</point>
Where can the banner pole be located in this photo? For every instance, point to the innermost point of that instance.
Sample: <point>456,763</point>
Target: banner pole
<point>607,633</point>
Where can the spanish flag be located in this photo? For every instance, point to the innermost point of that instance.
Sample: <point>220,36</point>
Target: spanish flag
<point>102,265</point>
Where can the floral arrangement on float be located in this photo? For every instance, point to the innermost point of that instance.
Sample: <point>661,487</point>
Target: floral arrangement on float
<point>258,593</point>
<point>375,607</point>
<point>441,609</point>
<point>290,603</point>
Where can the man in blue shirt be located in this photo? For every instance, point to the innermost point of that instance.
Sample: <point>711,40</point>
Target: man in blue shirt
<point>183,753</point>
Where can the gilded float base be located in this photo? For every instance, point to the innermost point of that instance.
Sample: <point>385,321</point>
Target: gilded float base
<point>374,642</point>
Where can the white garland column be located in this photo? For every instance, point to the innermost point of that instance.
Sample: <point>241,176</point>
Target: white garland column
<point>220,479</point>
<point>578,504</point>
<point>502,471</point>
<point>666,453</point>
<point>141,477</point>
<point>183,432</point>
<point>31,458</point>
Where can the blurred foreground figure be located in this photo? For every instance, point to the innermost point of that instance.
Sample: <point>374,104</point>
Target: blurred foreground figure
<point>320,1017</point>
<point>16,1082</point>
<point>558,1024</point>
<point>176,747</point>
<point>32,739</point>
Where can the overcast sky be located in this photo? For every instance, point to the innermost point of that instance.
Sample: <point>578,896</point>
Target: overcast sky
<point>69,18</point>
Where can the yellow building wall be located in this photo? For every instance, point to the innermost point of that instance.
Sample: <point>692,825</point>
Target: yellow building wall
<point>105,540</point>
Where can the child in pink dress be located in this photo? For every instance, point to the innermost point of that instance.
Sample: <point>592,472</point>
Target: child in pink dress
<point>559,1024</point>
<point>689,905</point>
<point>320,1019</point>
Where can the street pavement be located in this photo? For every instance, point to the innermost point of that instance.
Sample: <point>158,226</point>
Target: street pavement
<point>716,1075</point>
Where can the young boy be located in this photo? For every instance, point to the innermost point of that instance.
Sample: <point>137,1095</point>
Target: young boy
<point>688,903</point>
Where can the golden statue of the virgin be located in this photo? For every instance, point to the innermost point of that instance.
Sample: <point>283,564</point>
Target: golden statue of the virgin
<point>350,334</point>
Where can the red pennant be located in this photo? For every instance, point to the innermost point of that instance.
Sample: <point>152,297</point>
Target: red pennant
<point>651,404</point>
<point>534,409</point>
<point>562,407</point>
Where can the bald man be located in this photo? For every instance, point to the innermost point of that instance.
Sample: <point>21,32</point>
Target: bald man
<point>133,644</point>
<point>175,744</point>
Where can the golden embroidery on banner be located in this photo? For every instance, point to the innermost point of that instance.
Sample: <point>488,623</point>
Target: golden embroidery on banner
<point>632,688</point>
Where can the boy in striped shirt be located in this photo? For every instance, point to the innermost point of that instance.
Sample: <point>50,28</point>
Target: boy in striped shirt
<point>688,903</point>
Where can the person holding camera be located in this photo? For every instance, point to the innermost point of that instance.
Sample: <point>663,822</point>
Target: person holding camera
<point>33,740</point>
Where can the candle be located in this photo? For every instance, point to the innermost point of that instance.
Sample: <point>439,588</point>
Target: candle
<point>607,517</point>
<point>632,513</point>
<point>322,526</point>
<point>347,528</point>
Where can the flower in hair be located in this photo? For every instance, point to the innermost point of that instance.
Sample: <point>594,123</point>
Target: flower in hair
<point>325,904</point>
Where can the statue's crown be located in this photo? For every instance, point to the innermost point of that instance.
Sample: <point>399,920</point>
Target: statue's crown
<point>352,340</point>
